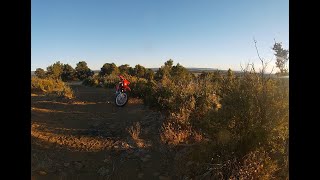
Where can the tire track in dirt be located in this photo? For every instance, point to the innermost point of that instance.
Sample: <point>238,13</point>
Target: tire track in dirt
<point>88,137</point>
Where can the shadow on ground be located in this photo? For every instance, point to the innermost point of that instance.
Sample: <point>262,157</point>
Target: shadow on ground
<point>89,138</point>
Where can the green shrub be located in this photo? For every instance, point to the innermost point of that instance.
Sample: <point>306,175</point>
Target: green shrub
<point>51,86</point>
<point>245,116</point>
<point>254,109</point>
<point>241,113</point>
<point>91,81</point>
<point>110,81</point>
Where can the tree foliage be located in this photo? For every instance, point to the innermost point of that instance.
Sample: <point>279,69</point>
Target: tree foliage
<point>179,73</point>
<point>149,74</point>
<point>83,71</point>
<point>40,73</point>
<point>124,69</point>
<point>108,69</point>
<point>55,70</point>
<point>282,57</point>
<point>68,73</point>
<point>139,71</point>
<point>165,70</point>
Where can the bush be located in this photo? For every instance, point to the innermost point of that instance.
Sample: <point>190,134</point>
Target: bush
<point>254,109</point>
<point>51,86</point>
<point>241,113</point>
<point>110,81</point>
<point>174,134</point>
<point>256,165</point>
<point>244,116</point>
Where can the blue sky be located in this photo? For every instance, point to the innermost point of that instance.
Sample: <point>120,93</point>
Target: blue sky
<point>203,33</point>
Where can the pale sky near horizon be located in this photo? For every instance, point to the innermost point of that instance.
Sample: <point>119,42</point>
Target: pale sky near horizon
<point>204,33</point>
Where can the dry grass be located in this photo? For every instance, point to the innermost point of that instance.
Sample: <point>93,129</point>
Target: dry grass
<point>135,131</point>
<point>69,102</point>
<point>256,165</point>
<point>34,95</point>
<point>198,137</point>
<point>74,143</point>
<point>45,110</point>
<point>174,134</point>
<point>135,101</point>
<point>82,103</point>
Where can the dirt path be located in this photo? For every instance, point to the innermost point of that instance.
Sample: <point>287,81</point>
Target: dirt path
<point>88,138</point>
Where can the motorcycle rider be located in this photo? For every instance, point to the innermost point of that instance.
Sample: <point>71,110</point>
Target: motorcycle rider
<point>124,83</point>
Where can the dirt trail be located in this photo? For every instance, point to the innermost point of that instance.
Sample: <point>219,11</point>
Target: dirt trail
<point>88,138</point>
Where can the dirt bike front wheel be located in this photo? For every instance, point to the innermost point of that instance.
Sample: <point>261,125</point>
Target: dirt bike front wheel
<point>121,99</point>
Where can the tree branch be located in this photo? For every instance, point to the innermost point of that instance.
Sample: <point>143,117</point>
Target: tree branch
<point>255,44</point>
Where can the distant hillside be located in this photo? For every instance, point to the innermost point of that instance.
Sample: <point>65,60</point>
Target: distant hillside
<point>195,70</point>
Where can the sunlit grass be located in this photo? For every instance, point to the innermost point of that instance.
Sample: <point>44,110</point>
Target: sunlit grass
<point>75,143</point>
<point>135,132</point>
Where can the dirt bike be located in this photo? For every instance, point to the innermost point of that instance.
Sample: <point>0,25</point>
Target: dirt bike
<point>122,88</point>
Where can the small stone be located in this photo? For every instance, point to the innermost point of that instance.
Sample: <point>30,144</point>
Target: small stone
<point>42,173</point>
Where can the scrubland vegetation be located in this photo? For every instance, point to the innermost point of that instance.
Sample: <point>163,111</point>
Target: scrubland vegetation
<point>239,121</point>
<point>231,126</point>
<point>50,86</point>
